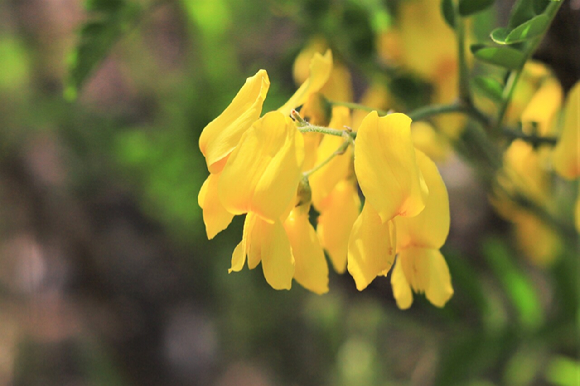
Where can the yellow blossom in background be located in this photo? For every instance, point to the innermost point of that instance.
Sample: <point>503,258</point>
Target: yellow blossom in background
<point>376,97</point>
<point>566,156</point>
<point>320,69</point>
<point>526,173</point>
<point>420,266</point>
<point>426,139</point>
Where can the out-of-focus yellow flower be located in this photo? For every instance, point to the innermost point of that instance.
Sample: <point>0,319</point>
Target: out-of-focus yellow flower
<point>311,267</point>
<point>543,107</point>
<point>338,87</point>
<point>338,212</point>
<point>426,139</point>
<point>219,138</point>
<point>371,247</point>
<point>385,166</point>
<point>525,172</point>
<point>533,76</point>
<point>375,97</point>
<point>566,156</point>
<point>262,173</point>
<point>420,266</point>
<point>323,181</point>
<point>320,69</point>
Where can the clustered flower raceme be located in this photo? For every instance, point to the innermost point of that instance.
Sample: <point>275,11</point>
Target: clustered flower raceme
<point>269,169</point>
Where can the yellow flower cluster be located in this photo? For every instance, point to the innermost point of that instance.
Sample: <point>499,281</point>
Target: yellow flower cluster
<point>273,168</point>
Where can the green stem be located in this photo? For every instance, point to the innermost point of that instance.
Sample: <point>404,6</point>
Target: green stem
<point>426,112</point>
<point>514,75</point>
<point>464,89</point>
<point>341,149</point>
<point>534,140</point>
<point>323,130</point>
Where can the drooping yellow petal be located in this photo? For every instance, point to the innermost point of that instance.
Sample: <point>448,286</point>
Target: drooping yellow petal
<point>263,172</point>
<point>370,247</point>
<point>566,157</point>
<point>221,135</point>
<point>426,271</point>
<point>429,228</point>
<point>311,268</point>
<point>401,289</point>
<point>277,259</point>
<point>386,167</point>
<point>324,179</point>
<point>238,258</point>
<point>337,216</point>
<point>215,217</point>
<point>320,68</point>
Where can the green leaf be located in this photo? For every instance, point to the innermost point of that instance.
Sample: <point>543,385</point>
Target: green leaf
<point>103,5</point>
<point>469,7</point>
<point>517,285</point>
<point>540,6</point>
<point>448,12</point>
<point>503,56</point>
<point>97,37</point>
<point>522,11</point>
<point>530,29</point>
<point>489,87</point>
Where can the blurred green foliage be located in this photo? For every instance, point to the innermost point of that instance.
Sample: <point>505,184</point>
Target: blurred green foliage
<point>510,323</point>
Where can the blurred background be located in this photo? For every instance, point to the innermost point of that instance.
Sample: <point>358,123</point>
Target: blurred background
<point>106,274</point>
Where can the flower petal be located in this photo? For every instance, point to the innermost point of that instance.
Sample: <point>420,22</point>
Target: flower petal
<point>215,217</point>
<point>320,68</point>
<point>277,259</point>
<point>401,289</point>
<point>386,168</point>
<point>311,267</point>
<point>426,271</point>
<point>263,172</point>
<point>220,136</point>
<point>370,247</point>
<point>340,211</point>
<point>429,228</point>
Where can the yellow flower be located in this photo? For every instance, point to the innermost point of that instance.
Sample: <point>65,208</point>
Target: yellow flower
<point>215,217</point>
<point>286,250</point>
<point>385,165</point>
<point>323,180</point>
<point>371,247</point>
<point>311,268</point>
<point>338,212</point>
<point>420,266</point>
<point>262,173</point>
<point>219,138</point>
<point>267,243</point>
<point>566,156</point>
<point>390,179</point>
